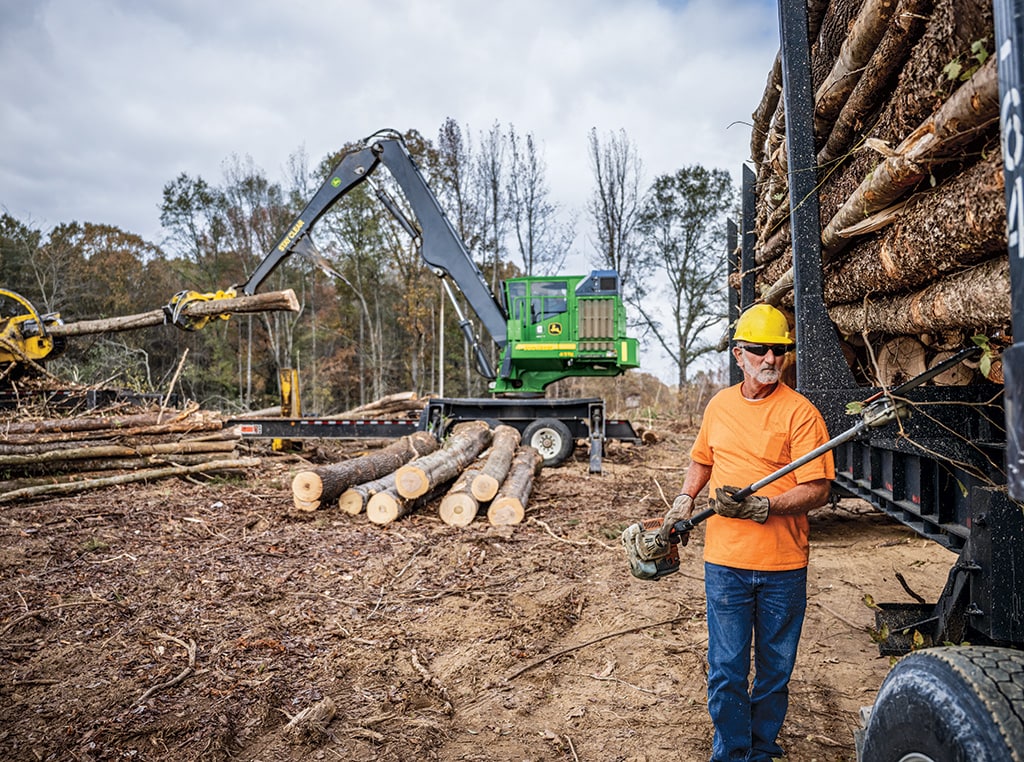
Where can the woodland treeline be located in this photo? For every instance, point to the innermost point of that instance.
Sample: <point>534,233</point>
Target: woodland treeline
<point>377,324</point>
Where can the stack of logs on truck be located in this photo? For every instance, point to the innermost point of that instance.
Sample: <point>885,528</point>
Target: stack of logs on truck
<point>909,182</point>
<point>885,146</point>
<point>474,469</point>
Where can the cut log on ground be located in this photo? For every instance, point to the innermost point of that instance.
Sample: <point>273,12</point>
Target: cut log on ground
<point>273,301</point>
<point>388,506</point>
<point>509,507</point>
<point>72,487</point>
<point>495,468</point>
<point>467,440</point>
<point>353,500</point>
<point>459,507</point>
<point>322,486</point>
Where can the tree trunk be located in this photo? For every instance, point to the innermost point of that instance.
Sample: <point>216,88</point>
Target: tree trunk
<point>504,442</point>
<point>509,507</point>
<point>353,500</point>
<point>81,485</point>
<point>961,222</point>
<point>974,104</point>
<point>857,49</point>
<point>466,442</point>
<point>273,301</point>
<point>888,57</point>
<point>114,452</point>
<point>459,507</point>
<point>324,485</point>
<point>976,298</point>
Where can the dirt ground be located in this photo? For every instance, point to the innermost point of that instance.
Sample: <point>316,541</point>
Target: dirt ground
<point>190,620</point>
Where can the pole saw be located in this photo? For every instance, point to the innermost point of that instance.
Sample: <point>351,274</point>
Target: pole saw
<point>652,557</point>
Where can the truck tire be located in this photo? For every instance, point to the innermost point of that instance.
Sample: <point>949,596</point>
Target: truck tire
<point>955,704</point>
<point>551,438</point>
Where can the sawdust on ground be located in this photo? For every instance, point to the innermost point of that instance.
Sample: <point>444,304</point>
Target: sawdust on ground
<point>196,621</point>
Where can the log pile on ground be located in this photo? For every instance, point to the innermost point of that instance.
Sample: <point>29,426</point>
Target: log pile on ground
<point>473,470</point>
<point>910,179</point>
<point>61,456</point>
<point>400,405</point>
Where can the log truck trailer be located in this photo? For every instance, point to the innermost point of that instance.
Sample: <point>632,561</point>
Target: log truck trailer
<point>953,471</point>
<point>546,328</point>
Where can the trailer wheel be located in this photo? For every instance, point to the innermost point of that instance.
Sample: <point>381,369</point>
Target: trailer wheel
<point>953,704</point>
<point>551,438</point>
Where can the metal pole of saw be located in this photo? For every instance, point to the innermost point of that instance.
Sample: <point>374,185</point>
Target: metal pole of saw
<point>687,524</point>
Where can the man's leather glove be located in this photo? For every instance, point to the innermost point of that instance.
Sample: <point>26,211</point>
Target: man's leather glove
<point>751,507</point>
<point>681,508</point>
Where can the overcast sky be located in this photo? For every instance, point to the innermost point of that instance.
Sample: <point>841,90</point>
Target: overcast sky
<point>106,101</point>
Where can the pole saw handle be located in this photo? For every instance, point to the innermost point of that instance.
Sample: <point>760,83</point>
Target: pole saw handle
<point>684,526</point>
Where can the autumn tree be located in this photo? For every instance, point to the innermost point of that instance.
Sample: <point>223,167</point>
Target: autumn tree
<point>682,229</point>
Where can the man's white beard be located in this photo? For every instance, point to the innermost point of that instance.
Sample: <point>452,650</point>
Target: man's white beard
<point>764,376</point>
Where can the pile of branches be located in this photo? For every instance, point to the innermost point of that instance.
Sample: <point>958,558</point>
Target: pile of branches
<point>474,469</point>
<point>910,179</point>
<point>42,457</point>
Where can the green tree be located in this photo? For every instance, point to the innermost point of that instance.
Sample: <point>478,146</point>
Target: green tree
<point>682,229</point>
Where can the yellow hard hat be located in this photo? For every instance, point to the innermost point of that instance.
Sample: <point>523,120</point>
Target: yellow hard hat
<point>763,324</point>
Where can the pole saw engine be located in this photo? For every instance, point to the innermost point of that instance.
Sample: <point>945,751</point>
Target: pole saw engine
<point>649,556</point>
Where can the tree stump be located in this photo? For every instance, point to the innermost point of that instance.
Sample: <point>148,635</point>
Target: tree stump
<point>467,441</point>
<point>509,506</point>
<point>495,469</point>
<point>324,485</point>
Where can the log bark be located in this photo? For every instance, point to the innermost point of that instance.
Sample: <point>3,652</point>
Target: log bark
<point>274,301</point>
<point>466,442</point>
<point>976,298</point>
<point>81,485</point>
<point>325,484</point>
<point>509,506</point>
<point>392,403</point>
<point>353,500</point>
<point>856,51</point>
<point>94,423</point>
<point>763,113</point>
<point>889,56</point>
<point>974,105</point>
<point>459,507</point>
<point>504,442</point>
<point>958,224</point>
<point>114,452</point>
<point>388,506</point>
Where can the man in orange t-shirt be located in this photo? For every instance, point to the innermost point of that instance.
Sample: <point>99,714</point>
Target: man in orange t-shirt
<point>755,550</point>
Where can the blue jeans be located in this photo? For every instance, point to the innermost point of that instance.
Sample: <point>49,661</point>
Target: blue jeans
<point>768,608</point>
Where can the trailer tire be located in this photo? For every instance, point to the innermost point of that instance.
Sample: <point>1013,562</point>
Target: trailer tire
<point>551,438</point>
<point>955,704</point>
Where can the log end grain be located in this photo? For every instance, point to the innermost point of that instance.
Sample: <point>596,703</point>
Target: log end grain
<point>382,508</point>
<point>506,511</point>
<point>458,510</point>
<point>411,481</point>
<point>484,487</point>
<point>351,502</point>
<point>307,486</point>
<point>305,505</point>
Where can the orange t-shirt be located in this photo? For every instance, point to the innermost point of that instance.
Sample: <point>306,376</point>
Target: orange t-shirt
<point>744,441</point>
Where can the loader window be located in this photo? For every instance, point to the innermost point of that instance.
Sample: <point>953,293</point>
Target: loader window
<point>548,299</point>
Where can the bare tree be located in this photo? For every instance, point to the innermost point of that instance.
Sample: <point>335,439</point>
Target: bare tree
<point>682,225</point>
<point>614,206</point>
<point>540,239</point>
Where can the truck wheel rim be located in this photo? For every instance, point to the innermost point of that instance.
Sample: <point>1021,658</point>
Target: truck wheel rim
<point>546,442</point>
<point>916,757</point>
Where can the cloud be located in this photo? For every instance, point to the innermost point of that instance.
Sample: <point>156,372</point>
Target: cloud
<point>106,101</point>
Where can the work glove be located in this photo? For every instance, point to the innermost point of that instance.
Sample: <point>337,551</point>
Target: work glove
<point>681,508</point>
<point>751,507</point>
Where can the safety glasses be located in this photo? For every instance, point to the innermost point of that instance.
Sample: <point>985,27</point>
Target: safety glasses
<point>762,349</point>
